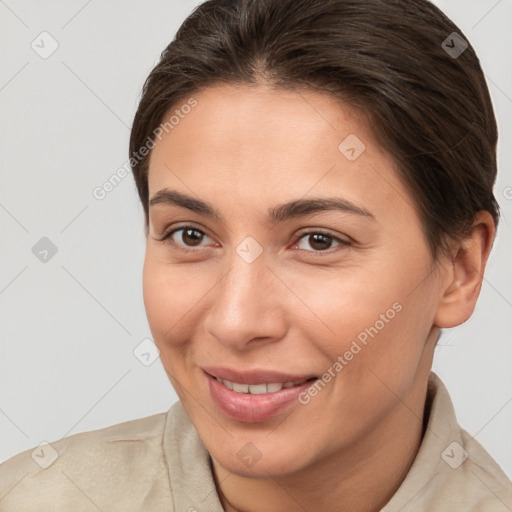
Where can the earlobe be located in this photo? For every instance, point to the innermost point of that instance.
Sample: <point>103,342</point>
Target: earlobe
<point>464,273</point>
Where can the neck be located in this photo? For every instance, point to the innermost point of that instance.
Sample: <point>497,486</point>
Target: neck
<point>361,478</point>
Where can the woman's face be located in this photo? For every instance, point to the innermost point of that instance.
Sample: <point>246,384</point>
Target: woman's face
<point>256,293</point>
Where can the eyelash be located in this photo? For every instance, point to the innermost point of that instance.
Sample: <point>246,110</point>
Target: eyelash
<point>167,236</point>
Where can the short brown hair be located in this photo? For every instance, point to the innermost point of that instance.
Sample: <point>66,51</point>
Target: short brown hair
<point>429,108</point>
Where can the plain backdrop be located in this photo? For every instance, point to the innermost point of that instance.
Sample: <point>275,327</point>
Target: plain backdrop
<point>69,325</point>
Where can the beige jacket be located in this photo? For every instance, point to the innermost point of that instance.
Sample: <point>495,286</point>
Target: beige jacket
<point>158,464</point>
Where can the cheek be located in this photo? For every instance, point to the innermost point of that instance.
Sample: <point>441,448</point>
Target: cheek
<point>167,297</point>
<point>352,303</point>
<point>166,302</point>
<point>175,296</point>
<point>157,293</point>
<point>381,360</point>
<point>376,322</point>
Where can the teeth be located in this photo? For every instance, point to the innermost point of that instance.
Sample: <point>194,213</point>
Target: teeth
<point>257,389</point>
<point>240,388</point>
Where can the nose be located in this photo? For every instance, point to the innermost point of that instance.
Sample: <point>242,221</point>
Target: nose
<point>247,305</point>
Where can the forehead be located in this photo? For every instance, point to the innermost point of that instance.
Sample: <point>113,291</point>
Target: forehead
<point>263,124</point>
<point>259,143</point>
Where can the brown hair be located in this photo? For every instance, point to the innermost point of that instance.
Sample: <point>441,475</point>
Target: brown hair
<point>430,108</point>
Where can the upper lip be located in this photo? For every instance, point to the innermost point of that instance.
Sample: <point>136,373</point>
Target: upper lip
<point>255,376</point>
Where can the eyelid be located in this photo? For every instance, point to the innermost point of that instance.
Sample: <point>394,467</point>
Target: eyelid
<point>174,228</point>
<point>326,232</point>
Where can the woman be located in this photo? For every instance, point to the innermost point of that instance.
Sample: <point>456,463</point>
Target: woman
<point>316,179</point>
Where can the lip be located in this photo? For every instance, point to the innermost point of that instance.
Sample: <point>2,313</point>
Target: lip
<point>254,376</point>
<point>250,408</point>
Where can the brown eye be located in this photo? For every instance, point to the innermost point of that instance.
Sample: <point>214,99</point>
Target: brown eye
<point>190,237</point>
<point>319,242</point>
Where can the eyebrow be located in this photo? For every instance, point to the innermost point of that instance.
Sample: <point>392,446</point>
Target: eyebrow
<point>279,213</point>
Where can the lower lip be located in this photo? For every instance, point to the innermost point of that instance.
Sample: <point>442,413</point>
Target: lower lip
<point>252,408</point>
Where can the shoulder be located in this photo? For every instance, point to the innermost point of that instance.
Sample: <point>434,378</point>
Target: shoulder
<point>483,473</point>
<point>119,467</point>
<point>451,471</point>
<point>467,477</point>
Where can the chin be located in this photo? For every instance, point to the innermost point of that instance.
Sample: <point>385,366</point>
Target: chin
<point>261,459</point>
<point>263,468</point>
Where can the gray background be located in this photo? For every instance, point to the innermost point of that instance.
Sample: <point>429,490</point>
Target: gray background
<point>69,326</point>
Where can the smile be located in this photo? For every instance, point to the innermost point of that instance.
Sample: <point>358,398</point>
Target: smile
<point>258,389</point>
<point>254,396</point>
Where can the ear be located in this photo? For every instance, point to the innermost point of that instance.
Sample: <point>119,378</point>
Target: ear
<point>464,273</point>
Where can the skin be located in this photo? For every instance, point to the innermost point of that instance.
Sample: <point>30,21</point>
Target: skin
<point>245,150</point>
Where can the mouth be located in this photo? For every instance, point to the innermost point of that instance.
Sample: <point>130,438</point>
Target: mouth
<point>255,377</point>
<point>254,396</point>
<point>260,389</point>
